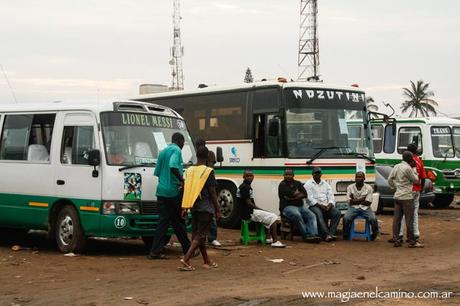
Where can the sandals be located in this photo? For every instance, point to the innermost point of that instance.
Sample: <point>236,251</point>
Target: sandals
<point>212,265</point>
<point>186,266</point>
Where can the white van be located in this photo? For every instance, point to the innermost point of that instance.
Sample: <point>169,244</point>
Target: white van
<point>84,170</point>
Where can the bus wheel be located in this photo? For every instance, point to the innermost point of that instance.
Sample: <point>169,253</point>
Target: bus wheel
<point>69,233</point>
<point>226,197</point>
<point>443,200</point>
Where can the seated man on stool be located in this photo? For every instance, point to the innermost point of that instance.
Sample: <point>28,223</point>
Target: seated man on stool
<point>292,207</point>
<point>359,197</point>
<point>249,210</point>
<point>322,204</point>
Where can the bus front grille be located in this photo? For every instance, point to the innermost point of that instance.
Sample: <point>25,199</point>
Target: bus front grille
<point>149,208</point>
<point>451,174</point>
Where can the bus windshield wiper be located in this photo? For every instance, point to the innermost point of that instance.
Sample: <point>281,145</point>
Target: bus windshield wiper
<point>321,151</point>
<point>137,165</point>
<point>360,155</point>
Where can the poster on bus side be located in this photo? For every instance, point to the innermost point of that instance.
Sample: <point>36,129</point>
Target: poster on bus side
<point>132,187</point>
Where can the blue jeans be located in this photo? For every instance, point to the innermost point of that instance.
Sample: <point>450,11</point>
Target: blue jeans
<point>212,235</point>
<point>350,216</point>
<point>323,218</point>
<point>303,218</point>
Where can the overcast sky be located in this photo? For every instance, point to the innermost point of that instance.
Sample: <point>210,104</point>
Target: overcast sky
<point>84,50</point>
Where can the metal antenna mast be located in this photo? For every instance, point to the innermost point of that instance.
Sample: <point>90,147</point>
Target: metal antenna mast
<point>308,60</point>
<point>177,51</point>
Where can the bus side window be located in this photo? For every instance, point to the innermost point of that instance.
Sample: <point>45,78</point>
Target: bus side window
<point>407,135</point>
<point>27,137</point>
<point>389,141</point>
<point>76,142</point>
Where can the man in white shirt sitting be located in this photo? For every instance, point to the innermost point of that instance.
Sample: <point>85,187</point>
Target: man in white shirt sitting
<point>322,204</point>
<point>359,196</point>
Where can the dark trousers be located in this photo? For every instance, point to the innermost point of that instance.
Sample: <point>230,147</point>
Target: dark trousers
<point>212,235</point>
<point>170,213</point>
<point>404,208</point>
<point>323,218</point>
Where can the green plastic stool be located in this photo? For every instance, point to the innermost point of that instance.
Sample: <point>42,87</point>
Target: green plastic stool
<point>246,235</point>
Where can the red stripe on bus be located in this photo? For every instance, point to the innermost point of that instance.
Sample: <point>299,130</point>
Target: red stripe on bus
<point>319,164</point>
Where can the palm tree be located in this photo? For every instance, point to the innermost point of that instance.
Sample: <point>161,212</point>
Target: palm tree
<point>420,101</point>
<point>371,106</point>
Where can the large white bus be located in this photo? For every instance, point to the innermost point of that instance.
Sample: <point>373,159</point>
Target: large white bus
<point>271,126</point>
<point>438,141</point>
<point>84,170</point>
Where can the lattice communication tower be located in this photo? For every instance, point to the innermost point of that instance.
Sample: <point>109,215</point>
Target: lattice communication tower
<point>308,59</point>
<point>177,51</point>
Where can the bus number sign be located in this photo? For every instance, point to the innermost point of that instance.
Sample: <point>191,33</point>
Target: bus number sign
<point>120,222</point>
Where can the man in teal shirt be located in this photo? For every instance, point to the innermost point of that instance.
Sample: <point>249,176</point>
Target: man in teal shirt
<point>169,170</point>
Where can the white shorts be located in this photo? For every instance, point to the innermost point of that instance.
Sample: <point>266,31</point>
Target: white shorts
<point>264,217</point>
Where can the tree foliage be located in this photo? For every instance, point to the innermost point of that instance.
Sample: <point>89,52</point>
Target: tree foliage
<point>419,100</point>
<point>248,76</point>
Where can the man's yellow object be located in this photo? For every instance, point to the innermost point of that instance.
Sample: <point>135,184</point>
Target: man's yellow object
<point>195,178</point>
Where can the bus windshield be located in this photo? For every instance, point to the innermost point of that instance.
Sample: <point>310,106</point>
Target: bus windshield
<point>327,120</point>
<point>136,139</point>
<point>310,130</point>
<point>456,134</point>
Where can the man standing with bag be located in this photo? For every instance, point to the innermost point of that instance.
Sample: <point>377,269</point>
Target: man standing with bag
<point>169,170</point>
<point>200,196</point>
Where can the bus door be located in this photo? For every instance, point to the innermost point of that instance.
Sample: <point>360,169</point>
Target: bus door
<point>268,142</point>
<point>74,178</point>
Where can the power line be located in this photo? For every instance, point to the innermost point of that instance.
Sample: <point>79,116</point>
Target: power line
<point>9,85</point>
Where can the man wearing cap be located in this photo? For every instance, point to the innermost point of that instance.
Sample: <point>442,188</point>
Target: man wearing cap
<point>292,194</point>
<point>322,204</point>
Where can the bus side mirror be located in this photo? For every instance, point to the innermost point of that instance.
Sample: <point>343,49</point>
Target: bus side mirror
<point>219,155</point>
<point>94,159</point>
<point>393,128</point>
<point>273,127</point>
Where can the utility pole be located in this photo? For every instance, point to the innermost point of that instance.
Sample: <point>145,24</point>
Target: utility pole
<point>308,59</point>
<point>177,51</point>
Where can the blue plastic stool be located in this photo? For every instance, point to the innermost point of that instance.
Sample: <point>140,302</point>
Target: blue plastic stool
<point>366,234</point>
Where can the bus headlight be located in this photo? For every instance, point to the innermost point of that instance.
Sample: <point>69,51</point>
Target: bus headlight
<point>109,208</point>
<point>120,208</point>
<point>128,208</point>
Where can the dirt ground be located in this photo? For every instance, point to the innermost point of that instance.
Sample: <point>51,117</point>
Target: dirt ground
<point>116,272</point>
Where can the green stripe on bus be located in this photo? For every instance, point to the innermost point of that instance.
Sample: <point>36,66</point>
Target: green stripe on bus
<point>32,211</point>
